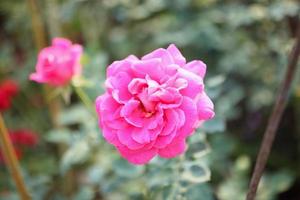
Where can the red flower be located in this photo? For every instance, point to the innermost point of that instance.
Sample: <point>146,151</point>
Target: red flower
<point>8,89</point>
<point>21,138</point>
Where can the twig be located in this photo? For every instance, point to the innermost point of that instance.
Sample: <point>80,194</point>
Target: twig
<point>12,161</point>
<point>274,120</point>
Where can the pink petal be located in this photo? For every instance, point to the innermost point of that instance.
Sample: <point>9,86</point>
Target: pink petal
<point>191,117</point>
<point>140,135</point>
<point>36,77</point>
<point>118,86</point>
<point>132,58</point>
<point>126,139</point>
<point>106,103</point>
<point>155,132</point>
<point>177,56</point>
<point>163,140</point>
<point>162,54</point>
<point>137,157</point>
<point>205,107</point>
<point>116,123</point>
<point>170,122</point>
<point>129,107</point>
<point>76,52</point>
<point>180,83</point>
<point>119,66</point>
<point>196,66</point>
<point>195,83</point>
<point>181,116</point>
<point>110,135</point>
<point>61,42</point>
<point>149,67</point>
<point>136,85</point>
<point>169,98</point>
<point>173,149</point>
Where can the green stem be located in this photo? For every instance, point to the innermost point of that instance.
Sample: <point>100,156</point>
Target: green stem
<point>85,99</point>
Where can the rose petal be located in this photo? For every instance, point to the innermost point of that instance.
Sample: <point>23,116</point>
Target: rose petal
<point>118,85</point>
<point>137,157</point>
<point>61,42</point>
<point>177,56</point>
<point>140,135</point>
<point>173,149</point>
<point>110,135</point>
<point>191,117</point>
<point>195,83</point>
<point>136,85</point>
<point>126,139</point>
<point>170,122</point>
<point>205,107</point>
<point>196,66</point>
<point>163,54</point>
<point>149,67</point>
<point>119,66</point>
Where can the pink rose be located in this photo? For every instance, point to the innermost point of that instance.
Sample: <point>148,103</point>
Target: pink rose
<point>57,64</point>
<point>151,105</point>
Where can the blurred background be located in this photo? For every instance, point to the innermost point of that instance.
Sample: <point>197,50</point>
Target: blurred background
<point>245,45</point>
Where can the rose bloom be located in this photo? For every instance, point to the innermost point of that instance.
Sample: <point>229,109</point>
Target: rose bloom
<point>8,89</point>
<point>21,138</point>
<point>58,63</point>
<point>151,105</point>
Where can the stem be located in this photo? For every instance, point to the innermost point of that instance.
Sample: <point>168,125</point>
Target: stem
<point>85,99</point>
<point>274,120</point>
<point>40,40</point>
<point>37,25</point>
<point>53,18</point>
<point>12,161</point>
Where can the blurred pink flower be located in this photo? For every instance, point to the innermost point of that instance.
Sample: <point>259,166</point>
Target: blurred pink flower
<point>151,105</point>
<point>8,89</point>
<point>57,64</point>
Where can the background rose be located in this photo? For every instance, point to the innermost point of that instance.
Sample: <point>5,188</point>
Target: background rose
<point>21,138</point>
<point>58,63</point>
<point>152,104</point>
<point>8,89</point>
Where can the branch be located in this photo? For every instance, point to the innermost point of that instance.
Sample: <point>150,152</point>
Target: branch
<point>274,120</point>
<point>11,161</point>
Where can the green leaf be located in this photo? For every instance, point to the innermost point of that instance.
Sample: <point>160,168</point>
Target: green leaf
<point>59,136</point>
<point>75,114</point>
<point>195,172</point>
<point>125,169</point>
<point>199,192</point>
<point>76,154</point>
<point>215,125</point>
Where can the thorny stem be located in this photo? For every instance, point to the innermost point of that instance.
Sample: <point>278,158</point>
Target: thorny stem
<point>12,161</point>
<point>274,120</point>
